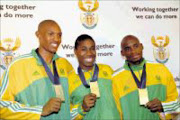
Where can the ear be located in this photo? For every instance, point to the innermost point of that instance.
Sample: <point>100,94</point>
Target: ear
<point>75,51</point>
<point>37,34</point>
<point>142,46</point>
<point>122,53</point>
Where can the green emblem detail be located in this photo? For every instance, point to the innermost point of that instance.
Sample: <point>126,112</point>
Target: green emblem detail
<point>105,73</point>
<point>62,71</point>
<point>126,88</point>
<point>158,78</point>
<point>35,73</point>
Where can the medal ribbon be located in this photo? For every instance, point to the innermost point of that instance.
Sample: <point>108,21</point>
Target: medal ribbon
<point>94,78</point>
<point>54,78</point>
<point>142,83</point>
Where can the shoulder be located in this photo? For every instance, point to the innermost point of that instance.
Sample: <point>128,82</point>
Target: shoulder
<point>61,59</point>
<point>155,64</point>
<point>158,67</point>
<point>72,76</point>
<point>63,62</point>
<point>22,59</point>
<point>118,71</point>
<point>105,67</point>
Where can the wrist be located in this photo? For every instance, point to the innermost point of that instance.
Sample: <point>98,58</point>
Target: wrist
<point>81,110</point>
<point>85,108</point>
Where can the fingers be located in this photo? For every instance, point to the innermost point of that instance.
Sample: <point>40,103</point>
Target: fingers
<point>53,105</point>
<point>89,101</point>
<point>55,108</point>
<point>155,105</point>
<point>152,103</point>
<point>90,98</point>
<point>56,102</point>
<point>91,104</point>
<point>92,94</point>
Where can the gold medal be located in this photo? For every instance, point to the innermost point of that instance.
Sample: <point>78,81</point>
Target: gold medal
<point>59,92</point>
<point>94,88</point>
<point>143,96</point>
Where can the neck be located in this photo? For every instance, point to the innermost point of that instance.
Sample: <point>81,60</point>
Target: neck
<point>136,62</point>
<point>47,56</point>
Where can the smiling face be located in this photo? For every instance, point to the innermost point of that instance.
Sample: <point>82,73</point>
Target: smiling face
<point>86,53</point>
<point>49,34</point>
<point>131,48</point>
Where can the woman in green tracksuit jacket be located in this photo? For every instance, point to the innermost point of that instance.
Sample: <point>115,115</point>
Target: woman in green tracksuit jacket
<point>87,105</point>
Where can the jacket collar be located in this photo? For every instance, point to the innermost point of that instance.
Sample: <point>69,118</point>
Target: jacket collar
<point>135,67</point>
<point>38,59</point>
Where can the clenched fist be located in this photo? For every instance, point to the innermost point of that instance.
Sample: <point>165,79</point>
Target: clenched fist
<point>88,102</point>
<point>53,105</point>
<point>155,105</point>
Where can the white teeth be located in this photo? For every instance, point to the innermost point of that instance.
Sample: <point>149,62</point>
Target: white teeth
<point>54,44</point>
<point>88,59</point>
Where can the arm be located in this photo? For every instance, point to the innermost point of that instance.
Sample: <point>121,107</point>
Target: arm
<point>11,109</point>
<point>171,107</point>
<point>171,93</point>
<point>79,111</point>
<point>116,96</point>
<point>79,106</point>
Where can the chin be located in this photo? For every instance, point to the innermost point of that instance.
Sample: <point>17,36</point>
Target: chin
<point>137,60</point>
<point>53,50</point>
<point>89,64</point>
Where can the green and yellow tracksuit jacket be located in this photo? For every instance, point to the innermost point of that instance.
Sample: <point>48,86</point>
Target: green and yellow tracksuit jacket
<point>159,82</point>
<point>105,107</point>
<point>26,88</point>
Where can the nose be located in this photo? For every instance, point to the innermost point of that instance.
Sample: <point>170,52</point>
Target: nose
<point>133,50</point>
<point>57,38</point>
<point>89,52</point>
